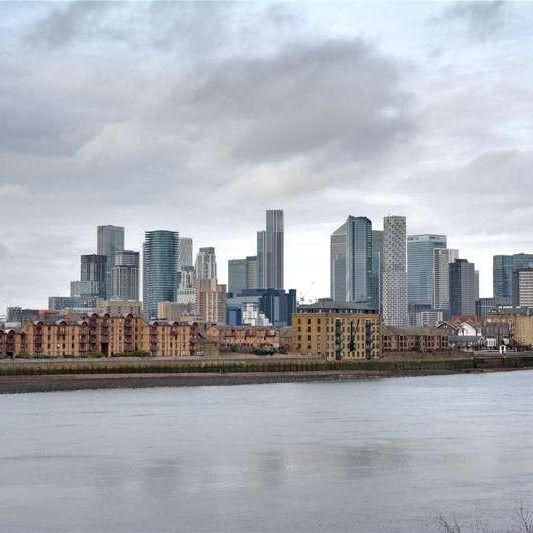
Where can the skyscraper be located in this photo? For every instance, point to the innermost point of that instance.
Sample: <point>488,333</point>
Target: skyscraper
<point>377,262</point>
<point>394,287</point>
<point>463,288</point>
<point>93,274</point>
<point>351,256</point>
<point>206,264</point>
<point>502,279</point>
<point>503,269</point>
<point>160,263</point>
<point>252,272</point>
<point>210,301</point>
<point>261,259</point>
<point>185,253</point>
<point>237,275</point>
<point>338,281</point>
<point>270,251</point>
<point>421,268</point>
<point>441,275</point>
<point>109,240</point>
<point>125,276</point>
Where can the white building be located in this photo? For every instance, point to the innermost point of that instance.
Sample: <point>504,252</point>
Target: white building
<point>394,289</point>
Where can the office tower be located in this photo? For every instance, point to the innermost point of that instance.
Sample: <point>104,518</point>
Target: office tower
<point>502,279</point>
<point>252,272</point>
<point>503,267</point>
<point>394,286</point>
<point>442,259</point>
<point>185,253</point>
<point>351,256</point>
<point>261,259</point>
<point>421,268</point>
<point>94,274</point>
<point>237,275</point>
<point>338,258</point>
<point>242,274</point>
<point>125,276</point>
<point>523,287</point>
<point>109,240</point>
<point>377,261</point>
<point>463,287</point>
<point>210,301</point>
<point>274,249</point>
<point>160,262</point>
<point>206,264</point>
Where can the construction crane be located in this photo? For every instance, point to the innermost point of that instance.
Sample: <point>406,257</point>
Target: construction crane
<point>306,292</point>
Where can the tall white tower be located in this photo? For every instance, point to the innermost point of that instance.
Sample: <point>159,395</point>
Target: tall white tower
<point>394,290</point>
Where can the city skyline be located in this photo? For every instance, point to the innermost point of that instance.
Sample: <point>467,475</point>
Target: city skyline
<point>309,296</point>
<point>115,139</point>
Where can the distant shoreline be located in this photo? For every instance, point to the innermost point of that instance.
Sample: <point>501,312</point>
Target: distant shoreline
<point>73,382</point>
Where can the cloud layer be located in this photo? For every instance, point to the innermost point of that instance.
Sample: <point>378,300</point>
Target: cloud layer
<point>198,116</point>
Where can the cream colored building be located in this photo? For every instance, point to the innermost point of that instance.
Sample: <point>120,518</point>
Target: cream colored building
<point>336,330</point>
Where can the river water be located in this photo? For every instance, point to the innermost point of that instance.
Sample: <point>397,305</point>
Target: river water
<point>369,456</point>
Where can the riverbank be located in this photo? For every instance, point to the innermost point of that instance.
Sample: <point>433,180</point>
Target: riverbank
<point>46,376</point>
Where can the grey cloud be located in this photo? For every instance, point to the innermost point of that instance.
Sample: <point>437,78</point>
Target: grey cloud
<point>483,19</point>
<point>68,22</point>
<point>193,29</point>
<point>337,96</point>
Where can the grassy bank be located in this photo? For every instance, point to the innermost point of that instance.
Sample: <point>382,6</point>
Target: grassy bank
<point>147,366</point>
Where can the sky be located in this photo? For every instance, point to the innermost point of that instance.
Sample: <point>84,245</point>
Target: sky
<point>197,117</point>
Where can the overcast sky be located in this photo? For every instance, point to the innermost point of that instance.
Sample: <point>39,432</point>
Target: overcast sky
<point>197,117</point>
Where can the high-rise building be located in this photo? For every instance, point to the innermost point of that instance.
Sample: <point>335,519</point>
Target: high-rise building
<point>421,268</point>
<point>503,267</point>
<point>210,301</point>
<point>273,250</point>
<point>441,275</point>
<point>206,264</point>
<point>377,261</point>
<point>94,270</point>
<point>252,272</point>
<point>523,287</point>
<point>261,259</point>
<point>185,253</point>
<point>237,275</point>
<point>355,261</point>
<point>109,240</point>
<point>125,275</point>
<point>338,257</point>
<point>242,274</point>
<point>463,288</point>
<point>160,262</point>
<point>502,279</point>
<point>394,285</point>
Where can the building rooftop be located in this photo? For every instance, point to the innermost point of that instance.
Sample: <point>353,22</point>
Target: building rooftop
<point>336,307</point>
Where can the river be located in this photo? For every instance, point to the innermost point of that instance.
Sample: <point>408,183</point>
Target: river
<point>368,456</point>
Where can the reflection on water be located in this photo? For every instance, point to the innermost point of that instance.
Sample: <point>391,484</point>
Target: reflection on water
<point>386,455</point>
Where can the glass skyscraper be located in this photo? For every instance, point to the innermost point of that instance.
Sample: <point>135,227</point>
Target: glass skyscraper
<point>109,240</point>
<point>503,269</point>
<point>421,268</point>
<point>441,276</point>
<point>160,265</point>
<point>93,275</point>
<point>351,261</point>
<point>185,253</point>
<point>464,288</point>
<point>274,249</point>
<point>377,262</point>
